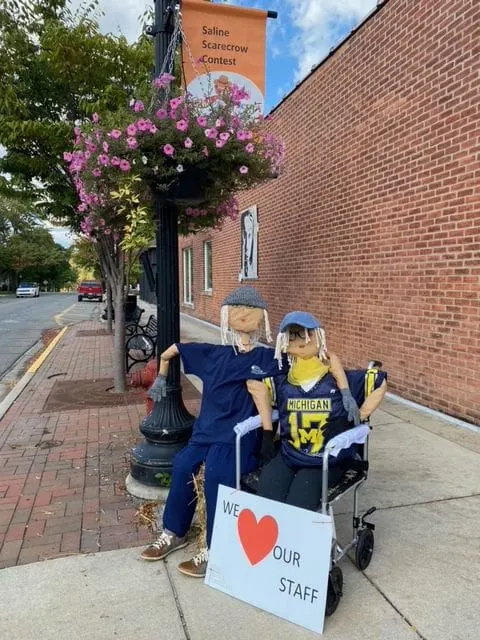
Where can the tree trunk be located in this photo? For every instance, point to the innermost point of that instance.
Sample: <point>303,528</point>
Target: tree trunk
<point>119,366</point>
<point>109,308</point>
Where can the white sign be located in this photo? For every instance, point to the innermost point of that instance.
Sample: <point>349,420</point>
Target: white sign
<point>271,555</point>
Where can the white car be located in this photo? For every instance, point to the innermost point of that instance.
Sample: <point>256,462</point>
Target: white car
<point>28,290</point>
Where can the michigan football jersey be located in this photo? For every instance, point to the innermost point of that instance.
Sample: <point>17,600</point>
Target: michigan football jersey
<point>309,419</point>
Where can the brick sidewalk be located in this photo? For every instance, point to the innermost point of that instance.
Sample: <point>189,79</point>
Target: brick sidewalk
<point>62,474</point>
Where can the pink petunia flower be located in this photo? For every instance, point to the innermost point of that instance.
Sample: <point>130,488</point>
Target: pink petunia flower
<point>243,169</point>
<point>132,143</point>
<point>224,136</point>
<point>182,125</point>
<point>105,146</point>
<point>220,143</point>
<point>241,135</point>
<point>131,130</point>
<point>67,156</point>
<point>95,118</point>
<point>202,121</point>
<point>220,123</point>
<point>175,103</point>
<point>124,165</point>
<point>138,106</point>
<point>188,143</point>
<point>211,133</point>
<point>82,207</point>
<point>97,172</point>
<point>162,114</point>
<point>153,129</point>
<point>249,148</point>
<point>116,161</point>
<point>168,150</point>
<point>143,125</point>
<point>115,134</point>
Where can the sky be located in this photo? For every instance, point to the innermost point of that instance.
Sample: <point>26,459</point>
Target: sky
<point>298,39</point>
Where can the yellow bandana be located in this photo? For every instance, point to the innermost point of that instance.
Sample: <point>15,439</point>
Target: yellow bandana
<point>303,371</point>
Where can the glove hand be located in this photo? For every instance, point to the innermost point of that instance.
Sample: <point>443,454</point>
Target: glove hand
<point>158,390</point>
<point>350,406</point>
<point>268,447</point>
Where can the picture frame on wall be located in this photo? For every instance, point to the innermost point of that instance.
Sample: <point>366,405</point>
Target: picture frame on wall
<point>249,246</point>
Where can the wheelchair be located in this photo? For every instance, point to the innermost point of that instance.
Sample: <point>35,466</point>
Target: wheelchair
<point>354,476</point>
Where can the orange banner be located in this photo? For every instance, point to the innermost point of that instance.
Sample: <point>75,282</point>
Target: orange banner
<point>224,45</point>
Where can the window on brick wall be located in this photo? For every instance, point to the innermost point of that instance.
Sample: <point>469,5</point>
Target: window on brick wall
<point>188,276</point>
<point>207,266</point>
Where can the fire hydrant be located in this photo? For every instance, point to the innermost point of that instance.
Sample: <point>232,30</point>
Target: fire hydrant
<point>144,378</point>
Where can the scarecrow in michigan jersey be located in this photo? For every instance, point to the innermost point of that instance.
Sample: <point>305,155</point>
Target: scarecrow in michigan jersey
<point>316,401</point>
<point>224,370</point>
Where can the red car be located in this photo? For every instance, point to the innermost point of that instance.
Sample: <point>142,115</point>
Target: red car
<point>90,289</point>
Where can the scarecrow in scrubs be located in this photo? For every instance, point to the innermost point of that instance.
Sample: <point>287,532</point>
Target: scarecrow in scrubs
<point>224,370</point>
<point>315,404</point>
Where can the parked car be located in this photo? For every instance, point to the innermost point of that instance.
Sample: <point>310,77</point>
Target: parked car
<point>91,290</point>
<point>28,290</point>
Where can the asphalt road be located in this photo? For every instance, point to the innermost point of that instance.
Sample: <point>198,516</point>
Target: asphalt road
<point>22,321</point>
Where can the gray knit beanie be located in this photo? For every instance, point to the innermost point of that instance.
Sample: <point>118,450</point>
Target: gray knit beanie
<point>246,296</point>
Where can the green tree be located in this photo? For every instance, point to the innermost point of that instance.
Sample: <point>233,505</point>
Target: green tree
<point>56,67</point>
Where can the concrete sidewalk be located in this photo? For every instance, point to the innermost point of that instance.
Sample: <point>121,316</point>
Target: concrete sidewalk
<point>422,581</point>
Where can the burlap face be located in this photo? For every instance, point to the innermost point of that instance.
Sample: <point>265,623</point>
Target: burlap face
<point>298,347</point>
<point>245,319</point>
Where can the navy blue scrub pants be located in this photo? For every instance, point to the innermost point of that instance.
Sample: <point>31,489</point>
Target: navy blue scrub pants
<point>219,469</point>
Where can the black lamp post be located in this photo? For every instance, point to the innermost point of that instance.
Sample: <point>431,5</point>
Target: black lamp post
<point>169,426</point>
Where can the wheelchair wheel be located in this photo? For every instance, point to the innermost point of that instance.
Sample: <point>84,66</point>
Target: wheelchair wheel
<point>364,548</point>
<point>335,590</point>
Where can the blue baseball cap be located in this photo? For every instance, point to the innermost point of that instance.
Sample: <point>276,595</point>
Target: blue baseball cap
<point>300,318</point>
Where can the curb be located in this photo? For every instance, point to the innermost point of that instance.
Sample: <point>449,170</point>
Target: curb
<point>31,371</point>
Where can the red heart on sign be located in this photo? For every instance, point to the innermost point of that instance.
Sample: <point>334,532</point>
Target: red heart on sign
<point>257,538</point>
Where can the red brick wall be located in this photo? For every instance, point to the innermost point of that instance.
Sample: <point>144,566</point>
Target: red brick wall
<point>375,223</point>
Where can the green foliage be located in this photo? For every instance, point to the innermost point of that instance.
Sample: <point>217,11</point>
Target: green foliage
<point>55,68</point>
<point>85,256</point>
<point>164,480</point>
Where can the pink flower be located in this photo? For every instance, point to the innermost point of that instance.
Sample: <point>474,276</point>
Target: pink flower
<point>116,161</point>
<point>153,129</point>
<point>211,133</point>
<point>138,106</point>
<point>220,123</point>
<point>82,207</point>
<point>124,165</point>
<point>163,81</point>
<point>97,172</point>
<point>104,160</point>
<point>202,121</point>
<point>67,156</point>
<point>77,131</point>
<point>143,125</point>
<point>220,143</point>
<point>243,169</point>
<point>132,143</point>
<point>168,150</point>
<point>115,134</point>
<point>182,125</point>
<point>105,147</point>
<point>241,135</point>
<point>188,143</point>
<point>224,136</point>
<point>249,148</point>
<point>161,114</point>
<point>205,151</point>
<point>248,135</point>
<point>175,103</point>
<point>131,130</point>
<point>95,118</point>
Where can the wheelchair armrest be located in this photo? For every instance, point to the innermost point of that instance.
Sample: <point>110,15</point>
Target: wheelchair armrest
<point>357,435</point>
<point>250,424</point>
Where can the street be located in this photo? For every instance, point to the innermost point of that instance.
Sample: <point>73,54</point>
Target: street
<point>22,321</point>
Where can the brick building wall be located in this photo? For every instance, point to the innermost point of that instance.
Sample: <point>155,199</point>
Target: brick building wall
<point>374,225</point>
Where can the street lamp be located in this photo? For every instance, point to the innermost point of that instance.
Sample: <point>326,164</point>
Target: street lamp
<point>169,426</point>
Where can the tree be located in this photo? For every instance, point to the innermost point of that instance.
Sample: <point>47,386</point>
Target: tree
<point>57,68</point>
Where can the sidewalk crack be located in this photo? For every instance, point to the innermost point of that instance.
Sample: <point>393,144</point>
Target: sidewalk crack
<point>177,602</point>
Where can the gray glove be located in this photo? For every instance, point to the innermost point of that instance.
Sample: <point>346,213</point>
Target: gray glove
<point>158,390</point>
<point>350,405</point>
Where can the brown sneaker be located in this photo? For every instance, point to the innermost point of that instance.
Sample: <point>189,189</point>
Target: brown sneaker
<point>196,567</point>
<point>165,543</point>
